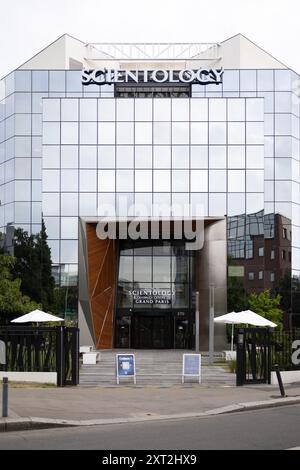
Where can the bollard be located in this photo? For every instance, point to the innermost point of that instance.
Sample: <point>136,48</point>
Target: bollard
<point>279,379</point>
<point>5,397</point>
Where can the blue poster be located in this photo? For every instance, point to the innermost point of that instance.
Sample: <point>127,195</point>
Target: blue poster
<point>125,365</point>
<point>191,364</point>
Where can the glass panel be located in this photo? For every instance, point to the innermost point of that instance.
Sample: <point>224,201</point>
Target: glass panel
<point>69,180</point>
<point>106,180</point>
<point>161,156</point>
<point>199,109</point>
<point>143,133</point>
<point>126,269</point>
<point>217,180</point>
<point>106,156</point>
<point>199,133</point>
<point>254,109</point>
<point>51,180</point>
<point>180,133</point>
<point>39,80</point>
<point>236,203</point>
<point>69,227</point>
<point>88,133</point>
<point>125,133</point>
<point>217,204</point>
<point>255,180</point>
<point>88,156</point>
<point>124,180</point>
<point>255,156</point>
<point>180,180</point>
<point>217,110</point>
<point>217,133</point>
<point>161,180</point>
<point>265,80</point>
<point>236,156</point>
<point>106,132</point>
<point>180,110</point>
<point>22,80</point>
<point>161,132</point>
<point>143,156</point>
<point>57,80</point>
<point>236,109</point>
<point>162,109</point>
<point>106,109</point>
<point>125,110</point>
<point>69,156</point>
<point>50,204</point>
<point>69,133</point>
<point>231,81</point>
<point>142,269</point>
<point>161,269</point>
<point>69,110</point>
<point>88,180</point>
<point>51,133</point>
<point>124,156</point>
<point>199,156</point>
<point>217,156</point>
<point>68,251</point>
<point>236,132</point>
<point>143,180</point>
<point>180,156</point>
<point>236,181</point>
<point>88,204</point>
<point>199,181</point>
<point>22,102</point>
<point>74,80</point>
<point>143,110</point>
<point>255,132</point>
<point>51,157</point>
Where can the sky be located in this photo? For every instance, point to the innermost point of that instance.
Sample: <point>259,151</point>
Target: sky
<point>27,26</point>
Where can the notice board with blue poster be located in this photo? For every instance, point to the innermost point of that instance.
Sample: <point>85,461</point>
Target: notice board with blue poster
<point>125,366</point>
<point>191,366</point>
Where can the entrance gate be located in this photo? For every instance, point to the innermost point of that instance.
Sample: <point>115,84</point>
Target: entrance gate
<point>253,356</point>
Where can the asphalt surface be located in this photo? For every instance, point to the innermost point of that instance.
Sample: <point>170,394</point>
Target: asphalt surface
<point>273,428</point>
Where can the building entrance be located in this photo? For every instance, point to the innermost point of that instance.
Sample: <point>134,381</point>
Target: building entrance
<point>152,332</point>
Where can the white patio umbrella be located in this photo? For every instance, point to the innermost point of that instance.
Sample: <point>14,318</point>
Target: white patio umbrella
<point>245,316</point>
<point>36,316</point>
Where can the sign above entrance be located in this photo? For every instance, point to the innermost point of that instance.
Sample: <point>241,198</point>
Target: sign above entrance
<point>152,296</point>
<point>104,76</point>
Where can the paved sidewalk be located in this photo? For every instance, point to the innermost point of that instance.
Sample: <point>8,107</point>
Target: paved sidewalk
<point>103,403</point>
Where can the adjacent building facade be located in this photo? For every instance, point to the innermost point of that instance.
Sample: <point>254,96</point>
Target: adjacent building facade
<point>206,134</point>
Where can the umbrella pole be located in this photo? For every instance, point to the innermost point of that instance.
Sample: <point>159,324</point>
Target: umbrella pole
<point>232,336</point>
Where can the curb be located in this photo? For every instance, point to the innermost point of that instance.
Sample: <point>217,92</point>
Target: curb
<point>30,423</point>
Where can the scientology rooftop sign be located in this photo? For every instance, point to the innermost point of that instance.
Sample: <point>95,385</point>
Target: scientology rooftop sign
<point>104,76</point>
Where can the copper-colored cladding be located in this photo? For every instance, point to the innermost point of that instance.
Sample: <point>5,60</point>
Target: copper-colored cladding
<point>102,273</point>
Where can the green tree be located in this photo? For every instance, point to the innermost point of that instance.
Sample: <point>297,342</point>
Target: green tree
<point>237,297</point>
<point>12,301</point>
<point>33,266</point>
<point>267,306</point>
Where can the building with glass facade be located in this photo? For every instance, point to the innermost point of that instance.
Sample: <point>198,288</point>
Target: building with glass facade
<point>162,132</point>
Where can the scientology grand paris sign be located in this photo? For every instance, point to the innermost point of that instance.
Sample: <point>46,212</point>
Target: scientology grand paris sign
<point>104,76</point>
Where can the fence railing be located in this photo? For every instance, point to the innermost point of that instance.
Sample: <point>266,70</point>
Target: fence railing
<point>283,346</point>
<point>41,349</point>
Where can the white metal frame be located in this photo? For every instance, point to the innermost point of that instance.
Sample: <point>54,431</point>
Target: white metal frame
<point>125,376</point>
<point>191,375</point>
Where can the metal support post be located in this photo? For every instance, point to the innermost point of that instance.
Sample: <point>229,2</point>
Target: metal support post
<point>5,397</point>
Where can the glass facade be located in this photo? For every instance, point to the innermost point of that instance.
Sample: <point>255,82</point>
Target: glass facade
<point>68,151</point>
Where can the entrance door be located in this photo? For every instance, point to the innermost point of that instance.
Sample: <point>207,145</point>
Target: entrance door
<point>152,332</point>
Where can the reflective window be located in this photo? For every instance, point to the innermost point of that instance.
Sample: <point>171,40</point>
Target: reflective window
<point>88,133</point>
<point>51,157</point>
<point>69,203</point>
<point>282,124</point>
<point>69,156</point>
<point>74,80</point>
<point>255,109</point>
<point>143,109</point>
<point>217,204</point>
<point>231,80</point>
<point>254,202</point>
<point>199,133</point>
<point>88,204</point>
<point>22,102</point>
<point>217,180</point>
<point>180,156</point>
<point>162,109</point>
<point>51,133</point>
<point>69,227</point>
<point>69,132</point>
<point>125,110</point>
<point>143,156</point>
<point>236,109</point>
<point>161,132</point>
<point>143,180</point>
<point>283,191</point>
<point>255,180</point>
<point>125,133</point>
<point>283,147</point>
<point>217,110</point>
<point>106,132</point>
<point>106,156</point>
<point>88,180</point>
<point>180,180</point>
<point>161,180</point>
<point>56,80</point>
<point>236,203</point>
<point>51,180</point>
<point>39,80</point>
<point>125,156</point>
<point>124,180</point>
<point>236,181</point>
<point>199,181</point>
<point>126,269</point>
<point>88,110</point>
<point>180,110</point>
<point>142,269</point>
<point>255,156</point>
<point>236,132</point>
<point>161,156</point>
<point>265,80</point>
<point>143,132</point>
<point>255,132</point>
<point>88,156</point>
<point>217,133</point>
<point>217,156</point>
<point>51,203</point>
<point>106,110</point>
<point>236,156</point>
<point>199,110</point>
<point>69,110</point>
<point>68,251</point>
<point>22,80</point>
<point>199,156</point>
<point>283,102</point>
<point>282,80</point>
<point>180,132</point>
<point>247,80</point>
<point>69,180</point>
<point>106,180</point>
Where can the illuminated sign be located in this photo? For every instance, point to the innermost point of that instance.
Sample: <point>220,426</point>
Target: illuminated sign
<point>104,76</point>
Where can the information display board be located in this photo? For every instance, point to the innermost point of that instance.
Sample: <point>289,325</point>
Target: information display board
<point>125,366</point>
<point>191,366</point>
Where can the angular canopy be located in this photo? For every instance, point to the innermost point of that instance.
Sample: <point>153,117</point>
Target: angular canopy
<point>246,316</point>
<point>36,316</point>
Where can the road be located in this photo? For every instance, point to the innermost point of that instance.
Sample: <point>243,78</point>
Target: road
<point>273,428</point>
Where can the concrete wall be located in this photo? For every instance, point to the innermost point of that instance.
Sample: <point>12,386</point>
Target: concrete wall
<point>288,377</point>
<point>38,377</point>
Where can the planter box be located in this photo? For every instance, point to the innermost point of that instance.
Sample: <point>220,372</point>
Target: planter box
<point>288,377</point>
<point>38,377</point>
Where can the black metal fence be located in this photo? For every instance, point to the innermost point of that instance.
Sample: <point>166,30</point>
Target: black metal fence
<point>260,349</point>
<point>41,349</point>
